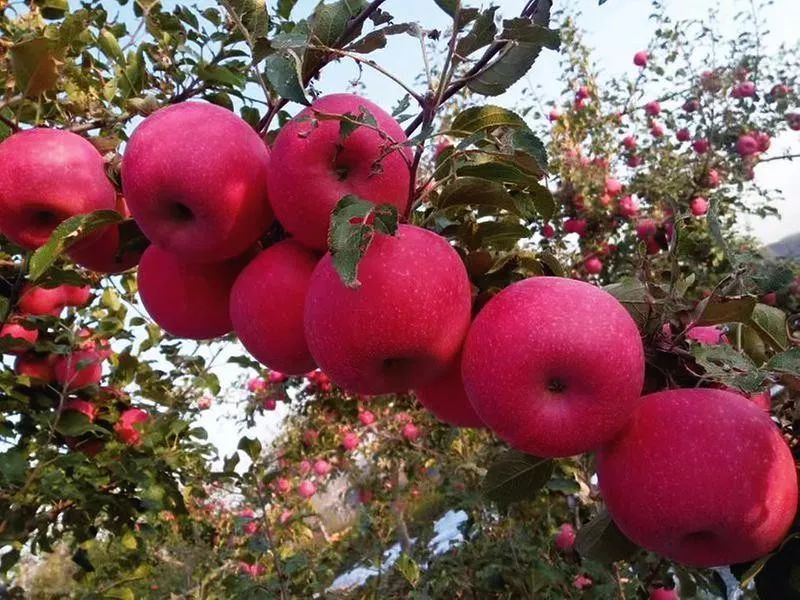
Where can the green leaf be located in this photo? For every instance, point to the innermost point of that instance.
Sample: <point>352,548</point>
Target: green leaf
<point>600,539</point>
<point>251,447</point>
<point>13,466</point>
<point>771,276</point>
<point>770,323</point>
<point>474,191</point>
<point>786,362</point>
<point>515,476</point>
<point>481,34</point>
<point>109,44</point>
<point>34,64</point>
<point>53,9</point>
<point>737,310</point>
<point>328,22</point>
<point>523,30</point>
<point>285,8</point>
<point>128,541</point>
<point>524,140</point>
<point>66,234</point>
<point>223,75</point>
<point>726,365</point>
<point>283,73</point>
<point>448,6</point>
<point>481,118</point>
<point>73,424</point>
<point>409,569</point>
<point>253,16</point>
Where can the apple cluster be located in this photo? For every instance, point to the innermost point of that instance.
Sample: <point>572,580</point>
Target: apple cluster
<point>554,367</point>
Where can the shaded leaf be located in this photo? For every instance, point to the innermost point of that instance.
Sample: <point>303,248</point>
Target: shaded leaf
<point>481,34</point>
<point>770,323</point>
<point>737,310</point>
<point>253,16</point>
<point>480,118</point>
<point>35,66</point>
<point>523,30</point>
<point>786,362</point>
<point>251,447</point>
<point>515,476</point>
<point>600,539</point>
<point>474,191</point>
<point>283,72</point>
<point>64,235</point>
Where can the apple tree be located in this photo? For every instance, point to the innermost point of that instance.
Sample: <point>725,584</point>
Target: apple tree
<point>570,345</point>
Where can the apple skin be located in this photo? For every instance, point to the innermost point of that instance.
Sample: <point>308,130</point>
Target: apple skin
<point>23,338</point>
<point>308,178</point>
<point>125,427</point>
<point>99,252</point>
<point>565,539</point>
<point>553,366</point>
<point>403,325</point>
<point>47,176</point>
<point>446,399</point>
<point>266,307</point>
<point>36,366</point>
<point>78,370</point>
<point>700,476</point>
<point>194,176</point>
<point>661,593</point>
<point>187,300</point>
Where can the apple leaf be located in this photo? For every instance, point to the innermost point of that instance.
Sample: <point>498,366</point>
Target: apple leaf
<point>283,73</point>
<point>251,447</point>
<point>736,310</point>
<point>786,362</point>
<point>481,34</point>
<point>354,223</point>
<point>35,66</point>
<point>53,9</point>
<point>516,476</point>
<point>523,30</point>
<point>64,235</point>
<point>724,364</point>
<point>477,191</point>
<point>285,8</point>
<point>480,118</point>
<point>252,14</point>
<point>770,323</point>
<point>73,423</point>
<point>600,539</point>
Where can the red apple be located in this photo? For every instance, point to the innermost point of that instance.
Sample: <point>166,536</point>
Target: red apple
<point>553,366</point>
<point>652,108</point>
<point>314,166</point>
<point>701,146</point>
<point>576,226</point>
<point>410,432</point>
<point>745,89</point>
<point>188,300</point>
<point>613,186</point>
<point>128,427</point>
<point>691,105</point>
<point>306,489</point>
<point>79,369</point>
<point>661,593</point>
<point>101,252</point>
<point>195,178</point>
<point>629,142</point>
<point>322,467</point>
<point>656,130</point>
<point>36,300</point>
<point>446,399</point>
<point>593,265</point>
<point>683,135</point>
<point>21,337</point>
<point>82,406</point>
<point>554,115</point>
<point>547,231</point>
<point>747,145</point>
<point>711,335</point>
<point>350,440</point>
<point>565,539</point>
<point>266,306</point>
<point>700,476</point>
<point>47,176</point>
<point>283,485</point>
<point>628,207</point>
<point>699,206</point>
<point>36,366</point>
<point>640,58</point>
<point>582,93</point>
<point>713,179</point>
<point>401,327</point>
<point>367,418</point>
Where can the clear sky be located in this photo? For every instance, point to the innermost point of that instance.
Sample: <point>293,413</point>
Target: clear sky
<point>616,31</point>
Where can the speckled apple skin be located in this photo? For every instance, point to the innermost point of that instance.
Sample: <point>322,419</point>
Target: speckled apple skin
<point>402,326</point>
<point>79,369</point>
<point>700,476</point>
<point>446,399</point>
<point>547,329</point>
<point>47,176</point>
<point>304,185</point>
<point>267,303</point>
<point>188,300</point>
<point>201,159</point>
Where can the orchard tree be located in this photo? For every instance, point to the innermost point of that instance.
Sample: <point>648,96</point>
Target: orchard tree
<point>405,281</point>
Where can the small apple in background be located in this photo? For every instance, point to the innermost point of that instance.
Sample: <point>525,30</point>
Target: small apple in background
<point>771,298</point>
<point>744,89</point>
<point>188,300</point>
<point>22,338</point>
<point>283,485</point>
<point>581,582</point>
<point>582,93</point>
<point>306,489</point>
<point>640,58</point>
<point>683,135</point>
<point>713,178</point>
<point>304,467</point>
<point>82,406</point>
<point>446,399</point>
<point>691,105</point>
<point>129,424</point>
<point>763,140</point>
<point>47,176</point>
<point>613,186</point>
<point>646,229</point>
<point>322,467</point>
<point>746,145</point>
<point>593,265</point>
<point>204,403</point>
<point>578,226</point>
<point>310,437</point>
<point>194,177</point>
<point>366,418</point>
<point>628,207</point>
<point>548,231</point>
<point>269,404</point>
<point>701,145</point>
<point>656,130</point>
<point>711,335</point>
<point>554,115</point>
<point>661,593</point>
<point>256,385</point>
<point>313,167</point>
<point>374,339</point>
<point>36,300</point>
<point>277,377</point>
<point>565,539</point>
<point>266,307</point>
<point>699,206</point>
<point>557,390</point>
<point>701,476</point>
<point>652,108</point>
<point>634,161</point>
<point>410,432</point>
<point>629,142</point>
<point>350,441</point>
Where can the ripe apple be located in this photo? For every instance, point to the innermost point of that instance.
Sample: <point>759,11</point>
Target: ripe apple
<point>266,307</point>
<point>314,166</point>
<point>711,335</point>
<point>576,226</point>
<point>593,265</point>
<point>79,369</point>
<point>47,176</point>
<point>701,145</point>
<point>554,115</point>
<point>350,440</point>
<point>195,178</point>
<point>629,142</point>
<point>640,58</point>
<point>36,300</point>
<point>700,476</point>
<point>699,206</point>
<point>691,105</point>
<point>446,399</point>
<point>188,300</point>
<point>656,130</point>
<point>652,108</point>
<point>661,593</point>
<point>367,417</point>
<point>582,93</point>
<point>683,135</point>
<point>129,424</point>
<point>100,252</point>
<point>36,366</point>
<point>565,539</point>
<point>747,145</point>
<point>547,231</point>
<point>322,467</point>
<point>613,186</point>
<point>628,207</point>
<point>410,432</point>
<point>553,366</point>
<point>402,326</point>
<point>713,179</point>
<point>82,406</point>
<point>21,337</point>
<point>306,489</point>
<point>283,485</point>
